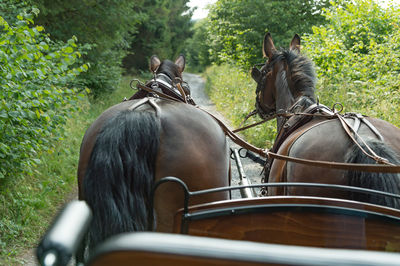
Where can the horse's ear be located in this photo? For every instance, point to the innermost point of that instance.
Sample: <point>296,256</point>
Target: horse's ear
<point>180,62</point>
<point>154,63</point>
<point>268,46</point>
<point>295,43</point>
<point>256,74</point>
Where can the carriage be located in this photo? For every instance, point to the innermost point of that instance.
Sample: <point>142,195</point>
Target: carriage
<point>275,230</point>
<point>350,218</point>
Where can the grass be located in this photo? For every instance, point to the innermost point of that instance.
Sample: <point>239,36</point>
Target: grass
<point>233,93</point>
<point>28,204</point>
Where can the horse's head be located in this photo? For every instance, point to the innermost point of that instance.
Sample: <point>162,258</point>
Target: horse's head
<point>283,79</point>
<point>169,73</point>
<point>172,70</point>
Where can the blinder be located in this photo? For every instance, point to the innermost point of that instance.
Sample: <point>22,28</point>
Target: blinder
<point>256,73</point>
<point>260,76</point>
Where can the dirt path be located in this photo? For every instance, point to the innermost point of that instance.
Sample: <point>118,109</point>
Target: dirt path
<point>251,169</point>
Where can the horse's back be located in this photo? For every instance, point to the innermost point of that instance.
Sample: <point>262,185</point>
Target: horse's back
<point>196,141</point>
<point>324,141</point>
<point>390,132</point>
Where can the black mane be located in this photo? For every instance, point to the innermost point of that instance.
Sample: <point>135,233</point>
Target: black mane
<point>301,69</point>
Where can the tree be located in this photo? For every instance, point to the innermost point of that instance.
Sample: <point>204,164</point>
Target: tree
<point>197,49</point>
<point>237,27</point>
<point>103,25</point>
<point>163,28</point>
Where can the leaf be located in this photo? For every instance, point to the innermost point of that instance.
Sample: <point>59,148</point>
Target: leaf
<point>68,49</point>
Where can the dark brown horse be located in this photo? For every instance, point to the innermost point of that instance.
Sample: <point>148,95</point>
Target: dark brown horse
<point>133,144</point>
<point>286,84</point>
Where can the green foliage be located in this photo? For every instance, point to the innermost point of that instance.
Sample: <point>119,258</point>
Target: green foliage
<point>119,33</point>
<point>237,27</point>
<point>102,25</point>
<point>197,49</point>
<point>234,94</point>
<point>163,27</point>
<point>35,96</point>
<point>9,9</point>
<point>27,205</point>
<point>357,55</point>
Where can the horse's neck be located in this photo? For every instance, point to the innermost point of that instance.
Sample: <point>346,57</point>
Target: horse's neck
<point>289,101</point>
<point>284,97</point>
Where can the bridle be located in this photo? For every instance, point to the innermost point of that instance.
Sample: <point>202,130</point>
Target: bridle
<point>163,86</point>
<point>264,111</point>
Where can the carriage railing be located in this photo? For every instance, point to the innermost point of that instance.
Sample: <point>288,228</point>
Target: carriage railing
<point>188,194</point>
<point>64,236</point>
<point>187,216</point>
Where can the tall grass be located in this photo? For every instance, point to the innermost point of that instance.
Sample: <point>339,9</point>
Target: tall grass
<point>233,93</point>
<point>28,204</point>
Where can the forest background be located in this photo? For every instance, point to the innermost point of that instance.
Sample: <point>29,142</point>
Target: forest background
<point>63,62</point>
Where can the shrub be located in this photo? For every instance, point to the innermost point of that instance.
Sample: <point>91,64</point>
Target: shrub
<point>236,28</point>
<point>356,54</point>
<point>35,96</point>
<point>357,57</point>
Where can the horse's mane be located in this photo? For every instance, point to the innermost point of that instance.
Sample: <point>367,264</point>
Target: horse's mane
<point>301,69</point>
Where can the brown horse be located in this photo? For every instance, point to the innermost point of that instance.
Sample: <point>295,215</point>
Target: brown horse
<point>286,84</point>
<point>135,143</point>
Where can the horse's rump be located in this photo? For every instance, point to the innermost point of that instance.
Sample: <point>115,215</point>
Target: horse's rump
<point>118,182</point>
<point>134,147</point>
<point>137,142</point>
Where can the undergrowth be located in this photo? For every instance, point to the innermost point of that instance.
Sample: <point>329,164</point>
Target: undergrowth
<point>29,203</point>
<point>233,93</point>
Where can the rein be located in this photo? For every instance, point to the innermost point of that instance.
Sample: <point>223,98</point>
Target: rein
<point>271,155</point>
<point>383,167</point>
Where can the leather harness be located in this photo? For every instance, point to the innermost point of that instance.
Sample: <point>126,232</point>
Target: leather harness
<point>294,121</point>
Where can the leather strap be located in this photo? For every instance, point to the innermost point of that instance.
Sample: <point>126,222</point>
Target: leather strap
<point>185,98</point>
<point>372,154</point>
<point>235,138</point>
<point>378,168</point>
<point>265,153</point>
<point>325,164</point>
<point>158,93</point>
<point>182,92</point>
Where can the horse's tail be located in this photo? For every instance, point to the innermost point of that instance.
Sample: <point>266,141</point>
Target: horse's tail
<point>387,182</point>
<point>120,173</point>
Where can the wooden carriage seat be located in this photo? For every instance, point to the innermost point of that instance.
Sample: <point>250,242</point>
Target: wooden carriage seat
<point>147,249</point>
<point>304,221</point>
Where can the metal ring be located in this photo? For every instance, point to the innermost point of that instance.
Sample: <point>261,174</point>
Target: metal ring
<point>337,104</point>
<point>137,82</point>
<point>245,152</point>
